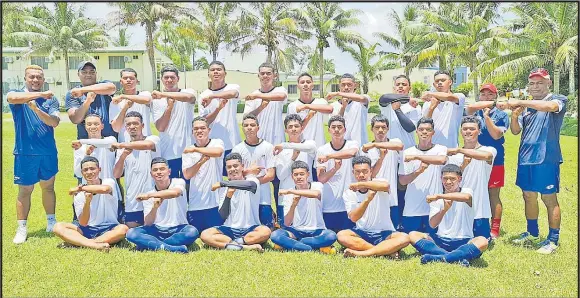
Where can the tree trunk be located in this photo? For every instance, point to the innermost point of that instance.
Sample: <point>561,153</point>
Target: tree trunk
<point>475,84</point>
<point>321,64</point>
<point>442,63</point>
<point>193,60</point>
<point>214,53</point>
<point>151,53</point>
<point>556,80</point>
<point>571,87</point>
<point>365,86</point>
<point>269,51</point>
<point>67,71</point>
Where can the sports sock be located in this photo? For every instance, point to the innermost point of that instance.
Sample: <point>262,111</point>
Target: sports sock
<point>22,223</point>
<point>233,246</point>
<point>282,238</point>
<point>554,235</point>
<point>50,217</point>
<point>326,238</point>
<point>425,247</point>
<point>495,224</point>
<point>533,227</point>
<point>466,251</point>
<point>431,258</point>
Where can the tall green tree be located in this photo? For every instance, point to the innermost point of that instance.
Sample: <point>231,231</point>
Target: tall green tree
<point>546,35</point>
<point>328,21</point>
<point>370,63</point>
<point>13,20</point>
<point>122,39</point>
<point>147,15</point>
<point>64,31</point>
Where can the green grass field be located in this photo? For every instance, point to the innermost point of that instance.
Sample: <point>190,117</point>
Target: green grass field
<point>39,268</point>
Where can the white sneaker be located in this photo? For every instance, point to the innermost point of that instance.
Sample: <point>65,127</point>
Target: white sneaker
<point>50,226</point>
<point>21,234</point>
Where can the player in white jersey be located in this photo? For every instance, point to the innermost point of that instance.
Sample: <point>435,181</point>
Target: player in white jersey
<point>311,110</point>
<point>353,107</point>
<point>134,160</point>
<point>476,162</point>
<point>286,153</point>
<point>98,147</point>
<point>369,206</point>
<point>173,113</point>
<point>304,228</point>
<point>333,163</point>
<point>97,211</point>
<point>255,150</point>
<point>420,169</point>
<point>165,209</point>
<point>451,213</point>
<point>445,108</point>
<point>385,154</point>
<point>402,117</point>
<point>219,106</point>
<point>202,162</point>
<point>239,208</point>
<point>130,100</point>
<point>267,103</point>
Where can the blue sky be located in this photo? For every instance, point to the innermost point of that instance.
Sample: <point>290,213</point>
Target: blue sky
<point>373,19</point>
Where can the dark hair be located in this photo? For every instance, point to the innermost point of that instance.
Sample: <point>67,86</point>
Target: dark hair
<point>304,74</point>
<point>234,155</point>
<point>348,76</point>
<point>128,69</point>
<point>379,118</point>
<point>292,117</point>
<point>361,159</point>
<point>134,114</point>
<point>445,72</point>
<point>94,115</point>
<point>215,62</point>
<point>403,77</point>
<point>89,159</point>
<point>251,116</point>
<point>268,65</point>
<point>200,118</point>
<point>170,68</point>
<point>451,168</point>
<point>300,165</point>
<point>336,118</point>
<point>159,160</point>
<point>471,119</point>
<point>426,120</point>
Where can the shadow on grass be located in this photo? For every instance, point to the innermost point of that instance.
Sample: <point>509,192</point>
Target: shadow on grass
<point>478,263</point>
<point>41,234</point>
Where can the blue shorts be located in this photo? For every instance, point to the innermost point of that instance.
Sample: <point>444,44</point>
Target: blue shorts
<point>337,221</point>
<point>299,234</point>
<point>204,219</point>
<point>373,238</point>
<point>448,244</point>
<point>416,223</point>
<point>481,228</point>
<point>162,233</point>
<point>266,215</point>
<point>29,169</point>
<point>542,178</point>
<point>176,171</point>
<point>235,233</point>
<point>92,232</point>
<point>226,153</point>
<point>136,216</point>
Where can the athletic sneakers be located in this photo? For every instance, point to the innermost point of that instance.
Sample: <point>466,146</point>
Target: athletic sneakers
<point>277,247</point>
<point>329,250</point>
<point>50,226</point>
<point>547,247</point>
<point>464,263</point>
<point>525,239</point>
<point>21,234</point>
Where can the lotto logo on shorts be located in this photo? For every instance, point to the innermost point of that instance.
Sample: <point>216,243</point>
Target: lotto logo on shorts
<point>550,186</point>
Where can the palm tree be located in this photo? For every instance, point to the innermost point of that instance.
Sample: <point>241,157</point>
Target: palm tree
<point>464,34</point>
<point>147,14</point>
<point>268,24</point>
<point>122,40</point>
<point>547,36</point>
<point>13,17</point>
<point>368,70</point>
<point>215,27</point>
<point>166,34</point>
<point>64,31</point>
<point>409,33</point>
<point>327,21</point>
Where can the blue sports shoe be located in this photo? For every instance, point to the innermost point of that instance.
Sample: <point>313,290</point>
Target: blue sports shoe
<point>525,239</point>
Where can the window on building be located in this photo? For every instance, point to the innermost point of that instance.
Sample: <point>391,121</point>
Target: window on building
<point>40,61</point>
<point>316,88</point>
<point>116,62</point>
<point>292,89</point>
<point>334,88</point>
<point>73,62</point>
<point>73,85</point>
<point>135,57</point>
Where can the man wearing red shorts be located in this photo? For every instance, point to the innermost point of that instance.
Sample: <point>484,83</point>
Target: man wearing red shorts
<point>495,123</point>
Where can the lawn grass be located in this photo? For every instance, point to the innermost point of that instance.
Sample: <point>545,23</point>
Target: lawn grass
<point>38,268</point>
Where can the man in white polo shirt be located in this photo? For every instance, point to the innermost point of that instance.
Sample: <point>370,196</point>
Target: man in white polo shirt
<point>353,107</point>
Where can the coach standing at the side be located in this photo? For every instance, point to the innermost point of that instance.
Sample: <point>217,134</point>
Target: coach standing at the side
<point>539,157</point>
<point>91,97</point>
<point>35,116</point>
